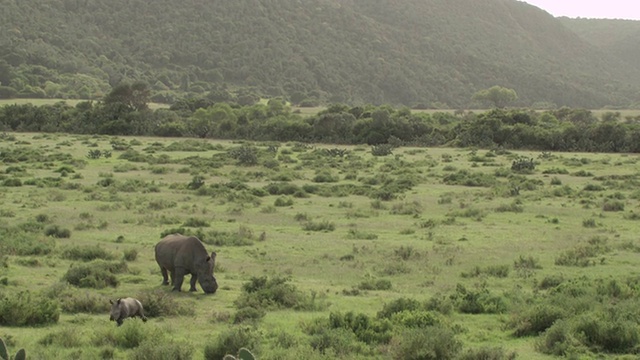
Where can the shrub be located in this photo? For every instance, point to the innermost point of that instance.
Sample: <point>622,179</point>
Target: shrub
<point>57,232</point>
<point>523,165</point>
<point>160,303</point>
<point>366,329</point>
<point>27,309</point>
<point>372,284</point>
<point>613,205</point>
<point>283,201</point>
<point>97,274</point>
<point>66,337</point>
<point>398,305</point>
<point>195,222</point>
<point>324,225</point>
<point>382,150</point>
<point>87,253</point>
<point>230,342</point>
<point>130,255</point>
<point>431,343</point>
<point>536,320</point>
<point>268,293</point>
<point>558,340</point>
<point>248,314</point>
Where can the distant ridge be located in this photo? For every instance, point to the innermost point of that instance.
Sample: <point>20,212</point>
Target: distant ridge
<point>411,52</point>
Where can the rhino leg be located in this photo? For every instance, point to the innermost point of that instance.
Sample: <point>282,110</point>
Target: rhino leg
<point>165,276</point>
<point>178,279</point>
<point>194,279</point>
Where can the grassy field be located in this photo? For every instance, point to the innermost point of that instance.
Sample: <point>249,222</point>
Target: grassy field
<point>348,231</point>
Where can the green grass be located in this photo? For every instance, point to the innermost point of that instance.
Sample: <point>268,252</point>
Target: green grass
<point>417,246</point>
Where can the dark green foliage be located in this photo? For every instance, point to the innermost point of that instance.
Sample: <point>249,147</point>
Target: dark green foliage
<point>366,329</point>
<point>97,274</point>
<point>231,341</point>
<point>57,232</point>
<point>195,222</point>
<point>196,182</point>
<point>158,303</point>
<point>5,355</point>
<point>248,314</point>
<point>535,320</point>
<point>87,253</point>
<point>479,301</point>
<point>431,343</point>
<point>130,255</point>
<point>398,305</point>
<point>23,241</point>
<point>382,150</point>
<point>272,293</point>
<point>324,225</point>
<point>375,284</point>
<point>28,309</point>
<point>246,155</point>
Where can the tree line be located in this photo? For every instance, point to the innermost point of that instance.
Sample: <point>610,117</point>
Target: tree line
<point>125,112</point>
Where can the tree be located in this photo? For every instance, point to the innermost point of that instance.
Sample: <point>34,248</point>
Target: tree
<point>135,96</point>
<point>497,96</point>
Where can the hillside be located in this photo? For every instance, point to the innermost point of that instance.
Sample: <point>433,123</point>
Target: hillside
<point>435,52</point>
<point>617,37</point>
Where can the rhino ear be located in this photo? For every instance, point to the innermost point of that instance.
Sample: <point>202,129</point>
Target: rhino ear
<point>119,301</point>
<point>111,301</point>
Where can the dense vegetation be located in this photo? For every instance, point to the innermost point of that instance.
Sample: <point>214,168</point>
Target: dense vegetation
<point>418,53</point>
<point>125,112</point>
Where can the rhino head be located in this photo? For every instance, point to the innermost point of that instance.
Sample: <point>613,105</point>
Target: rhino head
<point>115,310</point>
<point>205,275</point>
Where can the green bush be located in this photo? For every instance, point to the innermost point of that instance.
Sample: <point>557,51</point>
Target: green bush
<point>130,255</point>
<point>97,274</point>
<point>231,341</point>
<point>264,292</point>
<point>160,303</point>
<point>536,320</point>
<point>27,309</point>
<point>57,232</point>
<point>86,253</point>
<point>430,343</point>
<point>398,305</point>
<point>324,225</point>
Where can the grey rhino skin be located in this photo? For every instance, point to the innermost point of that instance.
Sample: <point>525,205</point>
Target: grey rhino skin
<point>179,255</point>
<point>124,308</point>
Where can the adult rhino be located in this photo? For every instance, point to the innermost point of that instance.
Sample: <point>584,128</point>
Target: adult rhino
<point>179,255</point>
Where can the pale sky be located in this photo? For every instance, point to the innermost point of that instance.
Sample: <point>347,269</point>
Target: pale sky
<point>599,9</point>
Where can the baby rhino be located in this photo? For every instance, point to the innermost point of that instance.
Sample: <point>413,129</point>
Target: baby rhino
<point>124,308</point>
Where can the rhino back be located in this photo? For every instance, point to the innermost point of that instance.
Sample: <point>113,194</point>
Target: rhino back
<point>180,251</point>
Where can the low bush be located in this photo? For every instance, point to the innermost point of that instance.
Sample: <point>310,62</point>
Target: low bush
<point>536,319</point>
<point>431,343</point>
<point>57,232</point>
<point>160,303</point>
<point>273,293</point>
<point>87,253</point>
<point>28,309</point>
<point>231,340</point>
<point>97,274</point>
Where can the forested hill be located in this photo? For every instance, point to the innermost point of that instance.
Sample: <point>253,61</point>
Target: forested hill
<point>428,52</point>
<point>617,37</point>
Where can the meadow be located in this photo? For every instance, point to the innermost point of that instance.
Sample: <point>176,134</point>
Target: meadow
<point>323,251</point>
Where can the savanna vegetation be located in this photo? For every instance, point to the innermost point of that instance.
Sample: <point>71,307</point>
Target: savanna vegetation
<point>420,54</point>
<point>324,250</point>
